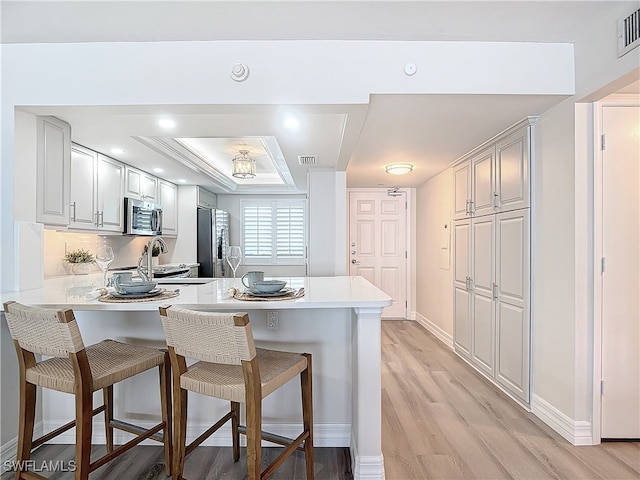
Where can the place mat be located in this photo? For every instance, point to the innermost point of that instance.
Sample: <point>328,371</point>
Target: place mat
<point>163,296</point>
<point>238,295</point>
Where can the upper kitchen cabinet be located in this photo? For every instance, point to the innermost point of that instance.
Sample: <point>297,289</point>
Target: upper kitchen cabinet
<point>495,177</point>
<point>141,185</point>
<point>53,170</point>
<point>96,191</point>
<point>206,199</point>
<point>110,193</point>
<point>168,199</point>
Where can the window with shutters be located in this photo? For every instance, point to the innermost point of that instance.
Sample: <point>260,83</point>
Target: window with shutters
<point>274,232</point>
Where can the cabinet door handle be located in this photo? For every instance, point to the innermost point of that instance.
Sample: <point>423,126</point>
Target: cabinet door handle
<point>495,291</point>
<point>496,200</point>
<point>73,217</point>
<point>467,211</point>
<point>97,214</point>
<point>471,209</point>
<point>102,218</point>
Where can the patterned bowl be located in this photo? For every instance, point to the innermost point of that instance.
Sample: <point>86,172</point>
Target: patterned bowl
<point>137,287</point>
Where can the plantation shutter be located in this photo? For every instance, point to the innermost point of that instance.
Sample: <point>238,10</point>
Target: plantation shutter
<point>258,227</point>
<point>290,238</point>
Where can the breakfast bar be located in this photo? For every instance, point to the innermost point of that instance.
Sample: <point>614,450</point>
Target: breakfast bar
<point>337,319</point>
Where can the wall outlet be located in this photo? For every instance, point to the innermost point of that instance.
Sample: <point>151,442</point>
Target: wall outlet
<point>273,322</point>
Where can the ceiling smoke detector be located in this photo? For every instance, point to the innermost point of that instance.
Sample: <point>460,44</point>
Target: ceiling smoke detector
<point>307,159</point>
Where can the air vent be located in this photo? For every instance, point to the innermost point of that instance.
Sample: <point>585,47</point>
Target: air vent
<point>307,159</point>
<point>628,32</point>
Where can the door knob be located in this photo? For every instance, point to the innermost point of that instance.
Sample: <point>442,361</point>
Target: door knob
<point>355,262</point>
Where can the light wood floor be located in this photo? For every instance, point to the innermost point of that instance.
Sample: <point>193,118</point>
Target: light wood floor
<point>440,421</point>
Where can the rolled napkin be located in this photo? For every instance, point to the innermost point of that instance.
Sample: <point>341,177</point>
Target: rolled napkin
<point>230,292</point>
<point>93,294</point>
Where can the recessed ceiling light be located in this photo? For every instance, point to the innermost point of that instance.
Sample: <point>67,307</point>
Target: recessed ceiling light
<point>182,180</point>
<point>166,123</point>
<point>117,151</point>
<point>158,170</point>
<point>291,122</point>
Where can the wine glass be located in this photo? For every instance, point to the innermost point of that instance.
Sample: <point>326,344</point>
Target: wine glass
<point>104,257</point>
<point>234,258</point>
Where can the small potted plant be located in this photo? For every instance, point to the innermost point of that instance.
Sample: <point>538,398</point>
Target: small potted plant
<point>80,261</point>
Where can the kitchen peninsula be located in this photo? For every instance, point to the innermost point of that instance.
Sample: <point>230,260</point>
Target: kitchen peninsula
<point>337,320</point>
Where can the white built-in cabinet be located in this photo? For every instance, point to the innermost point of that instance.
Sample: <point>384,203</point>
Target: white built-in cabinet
<point>141,185</point>
<point>53,152</point>
<point>494,177</point>
<point>206,199</point>
<point>168,199</point>
<point>492,259</point>
<point>96,191</point>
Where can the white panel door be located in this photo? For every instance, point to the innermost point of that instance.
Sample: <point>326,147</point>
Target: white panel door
<point>378,245</point>
<point>462,287</point>
<point>482,275</point>
<point>621,277</point>
<point>512,303</point>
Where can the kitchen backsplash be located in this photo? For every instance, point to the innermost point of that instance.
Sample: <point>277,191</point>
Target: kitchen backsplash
<point>127,249</point>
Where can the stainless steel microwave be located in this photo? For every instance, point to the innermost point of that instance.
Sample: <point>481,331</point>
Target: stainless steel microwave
<point>142,218</point>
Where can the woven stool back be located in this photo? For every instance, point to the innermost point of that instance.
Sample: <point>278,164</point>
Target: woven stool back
<point>210,337</point>
<point>46,331</point>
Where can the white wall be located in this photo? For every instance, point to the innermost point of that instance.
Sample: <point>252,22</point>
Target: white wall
<point>434,271</point>
<point>327,223</point>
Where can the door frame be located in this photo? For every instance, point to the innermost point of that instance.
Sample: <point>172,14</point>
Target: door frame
<point>410,270</point>
<point>615,100</point>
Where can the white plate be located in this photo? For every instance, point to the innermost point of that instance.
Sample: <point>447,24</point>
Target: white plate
<point>279,293</point>
<point>152,293</point>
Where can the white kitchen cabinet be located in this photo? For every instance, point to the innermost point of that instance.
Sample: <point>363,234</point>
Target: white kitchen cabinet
<point>491,297</point>
<point>461,189</point>
<point>206,199</point>
<point>462,291</point>
<point>512,301</point>
<point>512,187</point>
<point>53,170</point>
<point>84,164</point>
<point>141,185</point>
<point>494,177</point>
<point>168,199</point>
<point>110,194</point>
<point>96,191</point>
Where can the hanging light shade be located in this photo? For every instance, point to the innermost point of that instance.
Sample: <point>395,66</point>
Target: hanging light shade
<point>244,166</point>
<point>399,168</point>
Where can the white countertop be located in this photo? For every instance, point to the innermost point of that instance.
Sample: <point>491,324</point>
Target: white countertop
<point>320,292</point>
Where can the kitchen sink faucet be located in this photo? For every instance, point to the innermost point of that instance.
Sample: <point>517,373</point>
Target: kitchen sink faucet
<point>147,274</point>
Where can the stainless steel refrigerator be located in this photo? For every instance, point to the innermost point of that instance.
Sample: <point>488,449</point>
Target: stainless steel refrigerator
<point>213,240</point>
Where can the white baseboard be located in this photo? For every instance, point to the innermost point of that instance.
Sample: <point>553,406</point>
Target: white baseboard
<point>575,432</point>
<point>324,434</point>
<point>9,450</point>
<point>366,467</point>
<point>438,332</point>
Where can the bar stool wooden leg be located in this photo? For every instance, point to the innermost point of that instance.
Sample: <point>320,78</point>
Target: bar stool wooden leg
<point>27,420</point>
<point>107,395</point>
<point>235,434</point>
<point>180,430</point>
<point>165,403</point>
<point>307,416</point>
<point>84,416</point>
<point>254,419</point>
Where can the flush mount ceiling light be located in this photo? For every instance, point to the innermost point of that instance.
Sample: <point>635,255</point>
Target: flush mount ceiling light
<point>398,168</point>
<point>244,166</point>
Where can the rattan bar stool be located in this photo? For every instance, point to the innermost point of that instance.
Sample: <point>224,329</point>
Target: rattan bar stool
<point>231,368</point>
<point>80,371</point>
